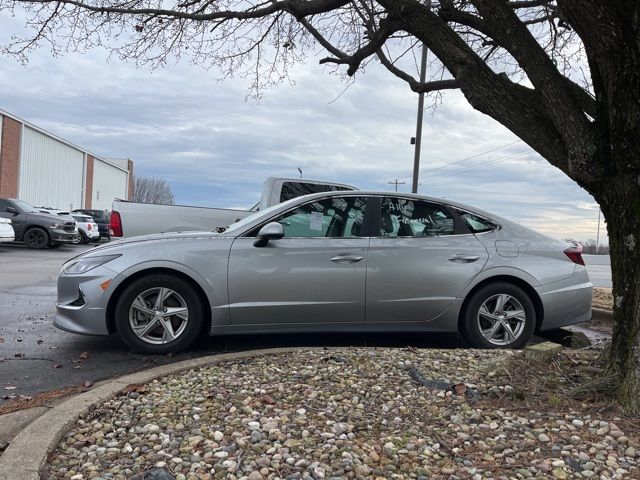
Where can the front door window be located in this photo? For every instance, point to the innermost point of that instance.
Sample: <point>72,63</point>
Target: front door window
<point>340,217</point>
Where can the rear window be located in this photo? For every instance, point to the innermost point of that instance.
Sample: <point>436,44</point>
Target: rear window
<point>477,224</point>
<point>297,189</point>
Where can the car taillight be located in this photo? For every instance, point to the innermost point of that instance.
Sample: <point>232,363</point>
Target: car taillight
<point>116,224</point>
<point>89,227</point>
<point>575,254</point>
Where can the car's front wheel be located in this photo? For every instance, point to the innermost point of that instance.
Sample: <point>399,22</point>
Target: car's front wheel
<point>36,238</point>
<point>499,315</point>
<point>159,314</point>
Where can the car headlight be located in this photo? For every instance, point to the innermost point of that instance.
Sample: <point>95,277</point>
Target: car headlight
<point>56,225</point>
<point>83,265</point>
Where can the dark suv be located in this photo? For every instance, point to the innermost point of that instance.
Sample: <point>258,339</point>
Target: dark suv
<point>36,229</point>
<point>101,217</point>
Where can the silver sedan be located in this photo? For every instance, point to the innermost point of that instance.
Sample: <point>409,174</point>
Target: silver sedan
<point>330,262</point>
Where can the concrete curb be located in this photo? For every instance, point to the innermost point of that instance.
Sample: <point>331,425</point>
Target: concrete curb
<point>27,453</point>
<point>601,314</point>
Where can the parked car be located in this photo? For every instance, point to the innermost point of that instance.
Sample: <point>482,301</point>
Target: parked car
<point>101,217</point>
<point>330,262</point>
<point>6,230</point>
<point>129,219</point>
<point>65,215</point>
<point>36,229</point>
<point>87,228</point>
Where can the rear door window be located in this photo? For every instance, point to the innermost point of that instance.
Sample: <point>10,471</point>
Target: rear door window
<point>401,217</point>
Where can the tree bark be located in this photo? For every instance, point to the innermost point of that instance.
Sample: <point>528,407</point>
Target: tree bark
<point>620,203</point>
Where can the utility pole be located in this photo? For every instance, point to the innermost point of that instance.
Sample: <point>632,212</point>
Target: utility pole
<point>598,234</point>
<point>418,139</point>
<point>396,182</point>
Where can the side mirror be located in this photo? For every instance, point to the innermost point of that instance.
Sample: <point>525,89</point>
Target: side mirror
<point>12,210</point>
<point>271,231</point>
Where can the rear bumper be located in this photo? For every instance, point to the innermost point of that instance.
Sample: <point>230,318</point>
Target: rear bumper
<point>567,302</point>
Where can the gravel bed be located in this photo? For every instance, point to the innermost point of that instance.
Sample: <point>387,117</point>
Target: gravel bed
<point>603,298</point>
<point>336,414</point>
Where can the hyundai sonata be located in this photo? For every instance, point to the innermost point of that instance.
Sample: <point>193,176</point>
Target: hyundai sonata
<point>330,262</point>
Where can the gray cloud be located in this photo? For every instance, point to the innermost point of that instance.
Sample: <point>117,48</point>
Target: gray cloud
<point>215,148</point>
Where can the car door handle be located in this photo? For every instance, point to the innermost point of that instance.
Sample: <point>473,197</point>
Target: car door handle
<point>461,258</point>
<point>346,258</point>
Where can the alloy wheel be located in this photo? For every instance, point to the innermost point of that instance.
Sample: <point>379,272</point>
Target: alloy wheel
<point>501,319</point>
<point>36,238</point>
<point>158,315</point>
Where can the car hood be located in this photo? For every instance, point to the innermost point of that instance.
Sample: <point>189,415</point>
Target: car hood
<point>155,237</point>
<point>45,217</point>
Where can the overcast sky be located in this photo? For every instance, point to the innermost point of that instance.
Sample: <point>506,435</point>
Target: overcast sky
<point>215,148</point>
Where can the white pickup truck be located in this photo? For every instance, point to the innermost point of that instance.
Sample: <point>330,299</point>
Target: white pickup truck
<point>130,219</point>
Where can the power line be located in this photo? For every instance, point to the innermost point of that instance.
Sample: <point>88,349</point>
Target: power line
<point>472,157</point>
<point>485,164</point>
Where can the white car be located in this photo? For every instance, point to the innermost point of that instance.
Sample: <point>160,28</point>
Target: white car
<point>6,230</point>
<point>87,228</point>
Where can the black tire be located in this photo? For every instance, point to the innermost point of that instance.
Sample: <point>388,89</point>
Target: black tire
<point>95,239</point>
<point>36,238</point>
<point>194,325</point>
<point>472,320</point>
<point>83,237</point>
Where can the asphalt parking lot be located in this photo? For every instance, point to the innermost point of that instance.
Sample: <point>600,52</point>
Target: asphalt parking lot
<point>38,357</point>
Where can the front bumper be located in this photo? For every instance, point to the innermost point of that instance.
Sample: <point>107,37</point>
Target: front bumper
<point>62,236</point>
<point>82,303</point>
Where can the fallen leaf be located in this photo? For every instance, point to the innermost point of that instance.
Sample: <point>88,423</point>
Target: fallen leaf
<point>460,388</point>
<point>40,342</point>
<point>266,399</point>
<point>18,339</point>
<point>54,348</point>
<point>1,359</point>
<point>77,367</point>
<point>10,387</point>
<point>57,365</point>
<point>1,339</point>
<point>19,355</point>
<point>133,387</point>
<point>85,355</point>
<point>87,384</point>
<point>170,354</point>
<point>76,361</point>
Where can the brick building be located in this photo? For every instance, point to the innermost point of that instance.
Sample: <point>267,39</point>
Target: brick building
<point>47,171</point>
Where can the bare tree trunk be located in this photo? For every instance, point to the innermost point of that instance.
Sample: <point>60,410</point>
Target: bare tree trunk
<point>620,204</point>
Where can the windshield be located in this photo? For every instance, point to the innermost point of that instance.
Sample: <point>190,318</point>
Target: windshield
<point>24,206</point>
<point>263,213</point>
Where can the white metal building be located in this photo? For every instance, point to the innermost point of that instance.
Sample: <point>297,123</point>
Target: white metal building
<point>45,170</point>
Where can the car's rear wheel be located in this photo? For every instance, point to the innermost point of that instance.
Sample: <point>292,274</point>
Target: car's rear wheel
<point>499,315</point>
<point>83,237</point>
<point>36,238</point>
<point>159,314</point>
